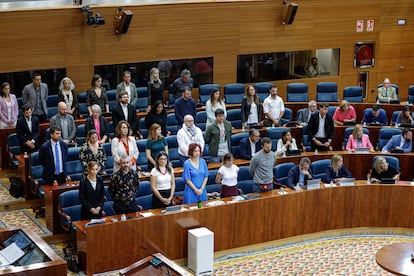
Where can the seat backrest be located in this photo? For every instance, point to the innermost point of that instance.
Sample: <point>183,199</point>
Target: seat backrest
<point>80,134</point>
<point>287,116</point>
<point>204,91</point>
<point>245,180</point>
<point>13,143</point>
<point>111,94</point>
<point>411,94</point>
<point>211,182</point>
<point>201,120</point>
<point>83,110</point>
<point>305,138</point>
<point>394,117</point>
<point>393,161</point>
<point>70,204</point>
<point>281,171</point>
<point>52,111</point>
<point>144,195</point>
<point>348,131</point>
<point>179,186</point>
<point>353,94</point>
<point>262,90</point>
<point>332,109</point>
<point>235,143</point>
<point>142,160</point>
<point>173,150</point>
<point>142,102</point>
<point>74,170</point>
<point>297,92</point>
<point>172,124</point>
<point>234,93</point>
<point>52,100</point>
<point>143,127</point>
<point>73,153</point>
<point>275,133</point>
<point>36,169</point>
<point>385,135</point>
<point>327,92</point>
<point>234,117</point>
<point>318,167</point>
<point>81,97</point>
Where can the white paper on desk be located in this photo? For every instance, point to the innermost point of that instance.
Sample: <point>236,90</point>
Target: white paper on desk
<point>10,254</point>
<point>146,214</point>
<point>95,221</point>
<point>329,185</point>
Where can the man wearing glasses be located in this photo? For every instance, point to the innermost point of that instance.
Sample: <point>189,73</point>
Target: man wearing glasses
<point>249,145</point>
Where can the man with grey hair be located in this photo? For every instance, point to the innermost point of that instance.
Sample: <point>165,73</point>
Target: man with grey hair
<point>128,86</point>
<point>299,174</point>
<point>184,81</point>
<point>387,93</point>
<point>187,135</point>
<point>306,113</point>
<point>261,167</point>
<point>65,122</point>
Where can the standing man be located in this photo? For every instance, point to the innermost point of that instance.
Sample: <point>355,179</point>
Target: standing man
<point>35,94</point>
<point>185,81</point>
<point>124,111</point>
<point>65,122</point>
<point>123,188</point>
<point>273,108</point>
<point>187,135</point>
<point>218,137</point>
<point>306,113</point>
<point>129,87</point>
<point>387,93</point>
<point>249,146</point>
<point>53,156</point>
<point>321,129</point>
<point>185,105</point>
<point>28,130</point>
<point>261,167</point>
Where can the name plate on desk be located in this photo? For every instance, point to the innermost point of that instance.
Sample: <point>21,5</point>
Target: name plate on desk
<point>347,182</point>
<point>313,184</point>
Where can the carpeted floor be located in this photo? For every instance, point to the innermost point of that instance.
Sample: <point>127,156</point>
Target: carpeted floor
<point>5,197</point>
<point>23,218</point>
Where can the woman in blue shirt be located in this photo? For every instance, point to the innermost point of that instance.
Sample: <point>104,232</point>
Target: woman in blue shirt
<point>336,170</point>
<point>195,175</point>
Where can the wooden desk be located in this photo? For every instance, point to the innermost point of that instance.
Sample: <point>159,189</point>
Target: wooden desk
<point>268,218</point>
<point>396,258</point>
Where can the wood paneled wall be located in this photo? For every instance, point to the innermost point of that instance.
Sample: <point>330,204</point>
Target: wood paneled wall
<point>41,39</point>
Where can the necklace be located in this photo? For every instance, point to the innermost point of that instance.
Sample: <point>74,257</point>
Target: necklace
<point>165,171</point>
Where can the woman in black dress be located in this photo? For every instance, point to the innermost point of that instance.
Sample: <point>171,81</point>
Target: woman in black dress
<point>91,193</point>
<point>155,88</point>
<point>158,115</point>
<point>381,170</point>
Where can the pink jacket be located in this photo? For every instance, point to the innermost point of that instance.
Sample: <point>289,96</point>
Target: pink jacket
<point>352,142</point>
<point>3,108</point>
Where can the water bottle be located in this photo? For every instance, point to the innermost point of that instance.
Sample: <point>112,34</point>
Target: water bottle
<point>123,217</point>
<point>316,151</point>
<point>331,184</point>
<point>199,204</point>
<point>55,185</point>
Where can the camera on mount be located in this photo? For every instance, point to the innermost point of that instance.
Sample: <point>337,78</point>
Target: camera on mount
<point>90,19</point>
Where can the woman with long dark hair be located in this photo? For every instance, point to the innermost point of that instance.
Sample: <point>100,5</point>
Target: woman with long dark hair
<point>162,182</point>
<point>157,115</point>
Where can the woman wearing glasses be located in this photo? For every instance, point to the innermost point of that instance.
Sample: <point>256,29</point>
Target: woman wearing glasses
<point>162,182</point>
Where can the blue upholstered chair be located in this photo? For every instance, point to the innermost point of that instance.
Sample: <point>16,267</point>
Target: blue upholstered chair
<point>353,94</point>
<point>348,131</point>
<point>411,94</point>
<point>144,195</point>
<point>327,92</point>
<point>262,89</point>
<point>173,150</point>
<point>201,120</point>
<point>275,133</point>
<point>235,143</point>
<point>205,91</point>
<point>179,186</point>
<point>36,181</point>
<point>211,182</point>
<point>81,97</point>
<point>318,167</point>
<point>287,116</point>
<point>393,161</point>
<point>52,111</point>
<point>13,144</point>
<point>234,93</point>
<point>171,91</point>
<point>385,135</point>
<point>80,134</point>
<point>69,209</point>
<point>172,124</point>
<point>111,94</point>
<point>332,109</point>
<point>305,138</point>
<point>142,103</point>
<point>142,160</point>
<point>281,171</point>
<point>234,117</point>
<point>83,110</point>
<point>297,92</point>
<point>52,100</point>
<point>245,180</point>
<point>394,117</point>
<point>143,127</point>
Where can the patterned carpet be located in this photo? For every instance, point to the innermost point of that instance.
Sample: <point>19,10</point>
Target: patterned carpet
<point>350,252</point>
<point>23,217</point>
<point>5,197</point>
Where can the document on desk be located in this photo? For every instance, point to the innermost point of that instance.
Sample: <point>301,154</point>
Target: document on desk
<point>10,254</point>
<point>146,214</point>
<point>95,221</point>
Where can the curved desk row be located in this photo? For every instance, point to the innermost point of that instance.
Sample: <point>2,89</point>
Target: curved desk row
<point>272,216</point>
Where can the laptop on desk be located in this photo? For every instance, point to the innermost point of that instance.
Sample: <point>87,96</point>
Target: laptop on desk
<point>313,184</point>
<point>346,182</point>
<point>387,181</point>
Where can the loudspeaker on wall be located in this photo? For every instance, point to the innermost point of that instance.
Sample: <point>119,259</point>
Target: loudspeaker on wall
<point>123,26</point>
<point>289,12</point>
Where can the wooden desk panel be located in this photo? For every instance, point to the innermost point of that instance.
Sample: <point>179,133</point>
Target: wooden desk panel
<point>268,218</point>
<point>396,258</point>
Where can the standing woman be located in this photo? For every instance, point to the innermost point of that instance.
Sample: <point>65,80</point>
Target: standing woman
<point>195,175</point>
<point>92,150</point>
<point>214,103</point>
<point>157,115</point>
<point>91,193</point>
<point>251,109</point>
<point>124,145</point>
<point>162,182</point>
<point>227,176</point>
<point>336,170</point>
<point>155,88</point>
<point>97,95</point>
<point>98,122</point>
<point>67,95</point>
<point>9,108</point>
<point>155,144</point>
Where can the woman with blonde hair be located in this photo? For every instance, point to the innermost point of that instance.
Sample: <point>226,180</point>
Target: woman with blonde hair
<point>381,170</point>
<point>155,144</point>
<point>358,139</point>
<point>345,114</point>
<point>155,88</point>
<point>251,108</point>
<point>67,95</point>
<point>336,170</point>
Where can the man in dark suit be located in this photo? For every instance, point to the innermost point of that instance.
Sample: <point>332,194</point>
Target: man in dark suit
<point>300,174</point>
<point>53,156</point>
<point>28,130</point>
<point>123,111</point>
<point>321,129</point>
<point>248,146</point>
<point>35,94</point>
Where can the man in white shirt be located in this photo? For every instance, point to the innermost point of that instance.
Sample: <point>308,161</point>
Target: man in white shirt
<point>273,108</point>
<point>187,135</point>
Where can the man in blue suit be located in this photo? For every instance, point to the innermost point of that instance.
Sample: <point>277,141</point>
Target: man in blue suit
<point>248,146</point>
<point>300,174</point>
<point>53,156</point>
<point>402,142</point>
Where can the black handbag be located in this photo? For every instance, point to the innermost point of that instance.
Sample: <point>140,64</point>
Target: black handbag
<point>16,187</point>
<point>70,259</point>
